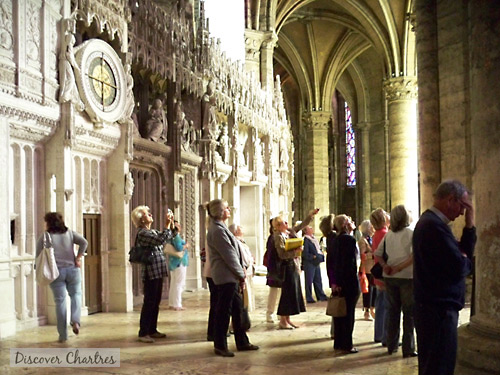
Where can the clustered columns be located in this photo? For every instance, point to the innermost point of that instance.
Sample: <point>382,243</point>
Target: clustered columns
<point>259,49</point>
<point>363,128</point>
<point>316,163</point>
<point>401,94</point>
<point>479,341</point>
<point>266,59</point>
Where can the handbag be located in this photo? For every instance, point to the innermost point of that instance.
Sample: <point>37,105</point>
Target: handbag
<point>377,270</point>
<point>363,282</point>
<point>245,319</point>
<point>336,306</point>
<point>45,263</point>
<point>141,254</point>
<point>169,249</point>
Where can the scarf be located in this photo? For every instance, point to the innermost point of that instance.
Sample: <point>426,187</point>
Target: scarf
<point>315,243</point>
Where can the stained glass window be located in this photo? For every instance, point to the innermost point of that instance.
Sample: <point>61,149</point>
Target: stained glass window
<point>350,148</point>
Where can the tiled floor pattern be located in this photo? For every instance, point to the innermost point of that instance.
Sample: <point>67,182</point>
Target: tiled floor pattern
<point>306,350</point>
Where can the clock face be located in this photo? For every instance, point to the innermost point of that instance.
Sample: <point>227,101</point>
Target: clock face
<point>102,82</point>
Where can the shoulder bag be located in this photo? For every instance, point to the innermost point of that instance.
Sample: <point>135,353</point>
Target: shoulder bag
<point>141,254</point>
<point>45,263</point>
<point>377,270</point>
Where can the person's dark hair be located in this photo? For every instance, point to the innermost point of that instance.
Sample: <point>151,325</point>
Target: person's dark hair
<point>326,224</point>
<point>400,218</point>
<point>55,222</point>
<point>271,231</point>
<point>450,187</point>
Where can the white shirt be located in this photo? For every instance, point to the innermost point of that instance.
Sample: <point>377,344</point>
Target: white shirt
<point>398,248</point>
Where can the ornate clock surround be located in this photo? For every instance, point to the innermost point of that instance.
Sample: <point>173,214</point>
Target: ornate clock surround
<point>101,81</point>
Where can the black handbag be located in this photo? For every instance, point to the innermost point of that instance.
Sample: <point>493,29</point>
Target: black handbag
<point>377,270</point>
<point>245,319</point>
<point>141,254</point>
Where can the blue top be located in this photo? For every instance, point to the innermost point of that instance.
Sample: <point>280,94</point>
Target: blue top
<point>174,262</point>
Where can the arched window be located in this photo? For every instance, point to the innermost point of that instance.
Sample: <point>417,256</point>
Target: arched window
<point>350,148</point>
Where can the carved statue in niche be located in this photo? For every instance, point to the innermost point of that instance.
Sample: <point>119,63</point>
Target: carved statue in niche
<point>67,66</point>
<point>208,115</point>
<point>258,155</point>
<point>284,158</point>
<point>224,143</point>
<point>156,127</point>
<point>186,128</point>
<point>129,186</point>
<point>130,101</point>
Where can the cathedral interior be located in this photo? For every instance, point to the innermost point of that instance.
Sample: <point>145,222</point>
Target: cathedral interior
<point>341,105</point>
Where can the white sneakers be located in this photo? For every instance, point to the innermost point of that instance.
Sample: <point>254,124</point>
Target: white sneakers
<point>269,318</point>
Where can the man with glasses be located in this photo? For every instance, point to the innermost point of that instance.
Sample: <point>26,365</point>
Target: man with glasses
<point>441,264</point>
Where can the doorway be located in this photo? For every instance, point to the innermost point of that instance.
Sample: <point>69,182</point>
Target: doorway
<point>93,273</point>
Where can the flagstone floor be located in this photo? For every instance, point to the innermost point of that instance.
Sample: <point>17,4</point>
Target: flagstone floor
<point>306,350</point>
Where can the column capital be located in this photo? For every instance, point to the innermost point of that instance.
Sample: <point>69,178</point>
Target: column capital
<point>401,88</point>
<point>316,120</point>
<point>363,126</point>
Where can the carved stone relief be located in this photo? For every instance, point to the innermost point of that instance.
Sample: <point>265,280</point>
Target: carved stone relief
<point>33,34</point>
<point>6,27</point>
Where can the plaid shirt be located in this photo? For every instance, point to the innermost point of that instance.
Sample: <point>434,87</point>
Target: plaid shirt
<point>152,237</point>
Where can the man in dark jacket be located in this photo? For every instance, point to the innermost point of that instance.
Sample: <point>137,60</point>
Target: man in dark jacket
<point>441,264</point>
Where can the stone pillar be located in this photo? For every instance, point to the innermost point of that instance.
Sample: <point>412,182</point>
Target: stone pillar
<point>316,164</point>
<point>479,341</point>
<point>266,60</point>
<point>120,270</point>
<point>7,307</point>
<point>401,94</point>
<point>363,128</point>
<point>428,101</point>
<point>253,42</point>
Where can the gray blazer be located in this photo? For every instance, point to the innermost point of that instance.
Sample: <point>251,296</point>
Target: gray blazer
<point>224,252</point>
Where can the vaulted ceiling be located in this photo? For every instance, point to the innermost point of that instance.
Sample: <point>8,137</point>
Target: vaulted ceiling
<point>345,45</point>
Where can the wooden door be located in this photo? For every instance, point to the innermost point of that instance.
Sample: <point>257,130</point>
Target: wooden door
<point>93,271</point>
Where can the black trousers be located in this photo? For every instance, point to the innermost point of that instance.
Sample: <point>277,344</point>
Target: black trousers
<point>343,327</point>
<point>213,305</point>
<point>150,306</point>
<point>229,304</point>
<point>436,338</point>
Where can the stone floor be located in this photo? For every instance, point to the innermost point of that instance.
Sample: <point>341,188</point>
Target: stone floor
<point>186,352</point>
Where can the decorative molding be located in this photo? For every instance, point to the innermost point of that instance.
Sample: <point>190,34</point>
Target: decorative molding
<point>401,88</point>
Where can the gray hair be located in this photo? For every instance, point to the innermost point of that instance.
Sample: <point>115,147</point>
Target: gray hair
<point>450,187</point>
<point>400,218</point>
<point>233,228</point>
<point>215,208</point>
<point>137,215</point>
<point>364,227</point>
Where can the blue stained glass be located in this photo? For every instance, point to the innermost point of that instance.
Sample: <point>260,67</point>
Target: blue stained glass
<point>350,141</point>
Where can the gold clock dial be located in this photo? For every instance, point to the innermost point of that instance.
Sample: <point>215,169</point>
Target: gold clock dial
<point>102,81</point>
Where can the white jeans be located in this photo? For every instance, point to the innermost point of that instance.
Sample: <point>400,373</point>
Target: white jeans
<point>177,284</point>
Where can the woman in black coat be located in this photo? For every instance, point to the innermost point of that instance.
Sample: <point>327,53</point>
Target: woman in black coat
<point>345,270</point>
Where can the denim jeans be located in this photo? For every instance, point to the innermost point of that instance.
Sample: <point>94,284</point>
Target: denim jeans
<point>399,298</point>
<point>380,329</point>
<point>70,279</point>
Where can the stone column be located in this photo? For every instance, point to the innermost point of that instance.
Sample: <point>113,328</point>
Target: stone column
<point>363,128</point>
<point>316,164</point>
<point>7,307</point>
<point>479,341</point>
<point>401,94</point>
<point>428,101</point>
<point>253,42</point>
<point>120,270</point>
<point>266,60</point>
